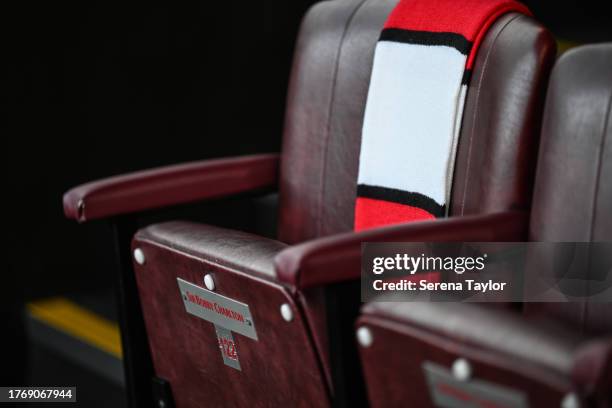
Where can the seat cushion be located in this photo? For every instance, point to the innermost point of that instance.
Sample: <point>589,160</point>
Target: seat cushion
<point>229,248</point>
<point>269,351</point>
<point>504,351</point>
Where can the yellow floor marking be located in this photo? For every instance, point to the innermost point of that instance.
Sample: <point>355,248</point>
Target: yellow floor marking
<point>563,45</point>
<point>67,316</point>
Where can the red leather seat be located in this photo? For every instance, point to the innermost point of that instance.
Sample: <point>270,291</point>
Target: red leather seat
<point>554,354</point>
<point>305,355</point>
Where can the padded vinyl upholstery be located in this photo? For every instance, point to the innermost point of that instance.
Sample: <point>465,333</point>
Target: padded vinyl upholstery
<point>502,348</point>
<point>326,102</point>
<point>226,247</point>
<point>575,163</point>
<point>573,194</point>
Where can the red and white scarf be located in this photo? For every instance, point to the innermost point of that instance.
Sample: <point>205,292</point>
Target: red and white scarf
<point>422,65</point>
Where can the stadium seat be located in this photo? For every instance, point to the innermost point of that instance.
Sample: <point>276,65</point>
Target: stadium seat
<point>549,354</point>
<point>293,300</point>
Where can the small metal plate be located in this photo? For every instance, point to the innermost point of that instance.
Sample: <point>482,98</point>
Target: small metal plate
<point>217,309</point>
<point>228,348</point>
<point>448,392</point>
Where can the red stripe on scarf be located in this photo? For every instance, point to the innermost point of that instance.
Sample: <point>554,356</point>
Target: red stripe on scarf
<point>370,213</point>
<point>470,18</point>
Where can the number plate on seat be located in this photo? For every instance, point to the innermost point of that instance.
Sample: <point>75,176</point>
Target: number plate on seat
<point>448,392</point>
<point>217,309</point>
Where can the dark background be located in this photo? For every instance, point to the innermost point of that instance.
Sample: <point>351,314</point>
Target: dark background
<point>97,88</point>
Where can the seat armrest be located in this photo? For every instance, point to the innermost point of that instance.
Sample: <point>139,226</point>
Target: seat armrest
<point>170,185</point>
<point>338,258</point>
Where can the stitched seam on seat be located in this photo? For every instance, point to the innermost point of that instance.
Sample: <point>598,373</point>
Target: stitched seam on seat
<point>330,113</point>
<point>476,110</point>
<point>199,258</point>
<point>602,145</point>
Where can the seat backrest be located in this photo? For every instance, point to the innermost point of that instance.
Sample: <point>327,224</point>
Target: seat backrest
<point>326,102</point>
<point>573,191</point>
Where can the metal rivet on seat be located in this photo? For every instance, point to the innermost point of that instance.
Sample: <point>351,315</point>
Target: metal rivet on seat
<point>81,210</point>
<point>570,400</point>
<point>286,312</point>
<point>364,336</point>
<point>462,369</point>
<point>161,403</point>
<point>139,256</point>
<point>209,282</point>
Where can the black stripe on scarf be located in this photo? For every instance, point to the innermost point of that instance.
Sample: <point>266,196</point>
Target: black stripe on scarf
<point>402,197</point>
<point>454,40</point>
<point>467,75</point>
